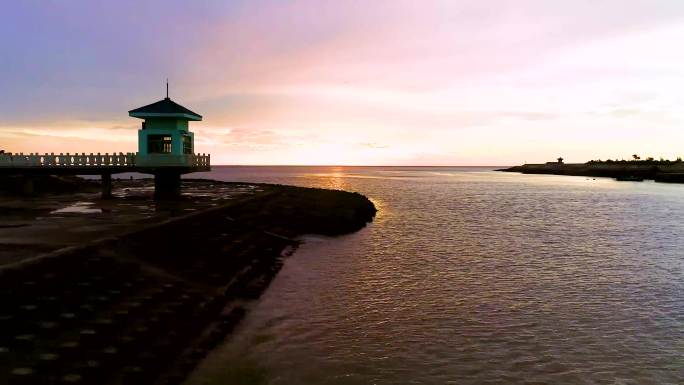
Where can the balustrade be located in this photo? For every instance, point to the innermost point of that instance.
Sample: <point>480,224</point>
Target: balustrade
<point>60,160</point>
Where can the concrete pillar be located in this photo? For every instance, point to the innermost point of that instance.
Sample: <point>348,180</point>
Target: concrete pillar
<point>28,188</point>
<point>106,186</point>
<point>167,185</point>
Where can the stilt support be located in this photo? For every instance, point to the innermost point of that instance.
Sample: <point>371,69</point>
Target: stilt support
<point>106,186</point>
<point>167,185</point>
<point>28,187</point>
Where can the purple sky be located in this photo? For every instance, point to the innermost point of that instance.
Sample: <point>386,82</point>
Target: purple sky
<point>351,82</point>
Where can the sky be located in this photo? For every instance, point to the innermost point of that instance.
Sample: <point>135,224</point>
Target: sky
<point>382,82</point>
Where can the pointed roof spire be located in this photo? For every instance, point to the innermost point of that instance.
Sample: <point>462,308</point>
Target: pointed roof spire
<point>167,88</point>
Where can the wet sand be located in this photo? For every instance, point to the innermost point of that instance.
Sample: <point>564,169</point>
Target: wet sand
<point>34,225</point>
<point>166,283</point>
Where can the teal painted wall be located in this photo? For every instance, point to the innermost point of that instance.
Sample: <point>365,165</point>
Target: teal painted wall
<point>175,128</point>
<point>164,123</point>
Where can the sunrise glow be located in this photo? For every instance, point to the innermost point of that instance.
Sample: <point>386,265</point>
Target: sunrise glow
<point>375,83</point>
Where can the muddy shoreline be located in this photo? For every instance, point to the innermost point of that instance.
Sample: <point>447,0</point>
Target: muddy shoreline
<point>144,306</point>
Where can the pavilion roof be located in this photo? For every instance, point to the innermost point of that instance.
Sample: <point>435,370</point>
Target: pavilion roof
<point>165,108</point>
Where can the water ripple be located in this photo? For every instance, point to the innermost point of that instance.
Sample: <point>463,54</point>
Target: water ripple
<point>474,278</point>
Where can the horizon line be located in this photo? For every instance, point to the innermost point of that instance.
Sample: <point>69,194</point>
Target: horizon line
<point>347,165</point>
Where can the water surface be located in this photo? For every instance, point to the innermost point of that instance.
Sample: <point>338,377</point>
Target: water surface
<point>468,276</point>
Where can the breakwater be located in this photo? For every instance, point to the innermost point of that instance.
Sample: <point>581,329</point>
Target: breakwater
<point>672,172</point>
<point>145,306</point>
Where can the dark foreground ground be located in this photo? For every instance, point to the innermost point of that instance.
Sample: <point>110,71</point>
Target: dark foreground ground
<point>144,306</point>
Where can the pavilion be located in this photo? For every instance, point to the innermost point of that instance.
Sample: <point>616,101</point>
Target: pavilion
<point>165,150</point>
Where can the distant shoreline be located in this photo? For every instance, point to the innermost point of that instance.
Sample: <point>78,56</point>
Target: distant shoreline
<point>672,172</point>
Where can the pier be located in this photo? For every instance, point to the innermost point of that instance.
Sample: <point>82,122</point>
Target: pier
<point>105,165</point>
<point>165,150</point>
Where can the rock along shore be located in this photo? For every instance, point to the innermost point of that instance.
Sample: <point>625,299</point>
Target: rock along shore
<point>143,307</point>
<point>672,172</point>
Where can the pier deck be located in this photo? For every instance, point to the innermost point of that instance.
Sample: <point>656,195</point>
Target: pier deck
<point>166,168</point>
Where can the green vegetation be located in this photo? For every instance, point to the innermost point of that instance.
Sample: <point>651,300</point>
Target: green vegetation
<point>636,160</point>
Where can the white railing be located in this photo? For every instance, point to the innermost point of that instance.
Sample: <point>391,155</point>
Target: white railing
<point>67,160</point>
<point>88,160</point>
<point>200,160</point>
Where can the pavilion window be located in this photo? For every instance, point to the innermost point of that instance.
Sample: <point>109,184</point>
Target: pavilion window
<point>187,144</point>
<point>159,144</point>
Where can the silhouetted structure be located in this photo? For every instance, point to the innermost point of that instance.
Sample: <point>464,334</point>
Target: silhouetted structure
<point>165,149</point>
<point>165,143</point>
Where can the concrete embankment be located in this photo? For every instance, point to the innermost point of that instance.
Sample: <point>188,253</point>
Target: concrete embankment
<point>143,307</point>
<point>672,172</point>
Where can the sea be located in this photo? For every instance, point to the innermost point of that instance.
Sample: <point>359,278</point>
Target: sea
<point>470,276</point>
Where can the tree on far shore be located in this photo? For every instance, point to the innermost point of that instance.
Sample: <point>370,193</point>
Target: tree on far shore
<point>637,160</point>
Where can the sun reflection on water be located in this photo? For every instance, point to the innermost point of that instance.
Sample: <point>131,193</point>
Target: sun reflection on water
<point>476,277</point>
